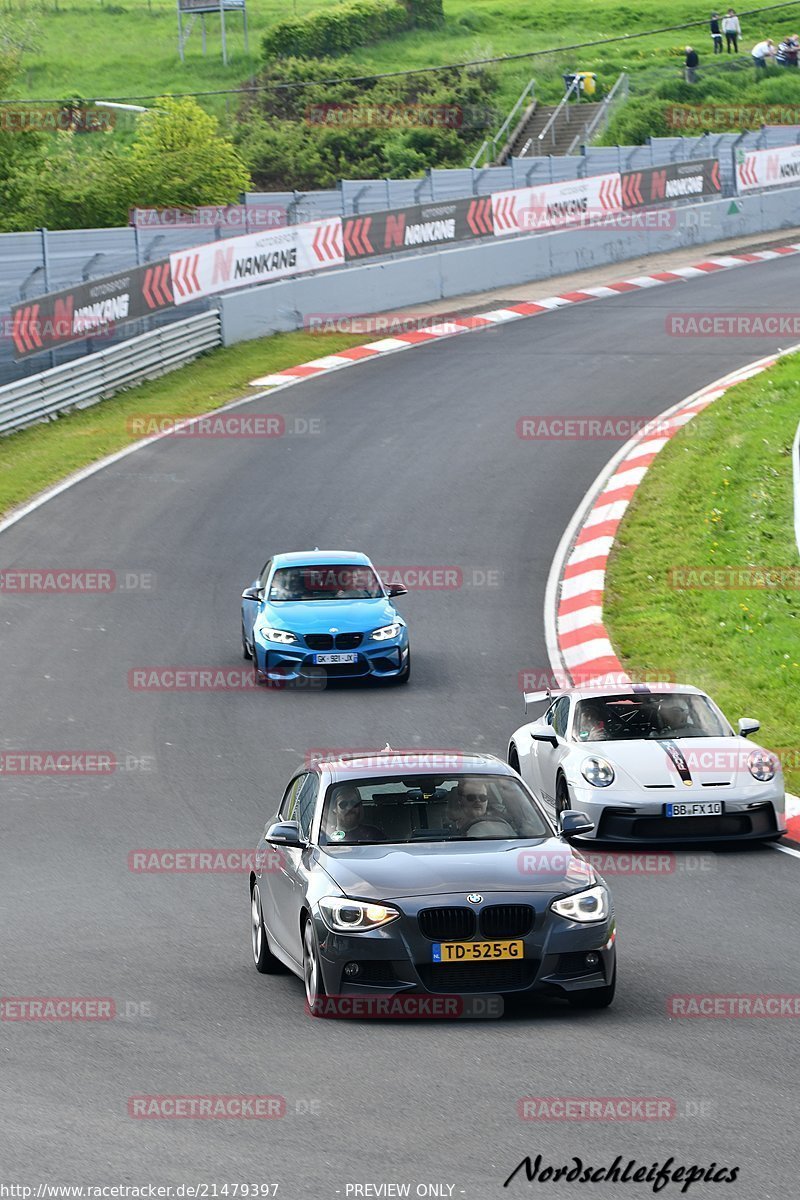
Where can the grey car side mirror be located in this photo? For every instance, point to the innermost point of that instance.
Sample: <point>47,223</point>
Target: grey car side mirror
<point>284,833</point>
<point>572,823</point>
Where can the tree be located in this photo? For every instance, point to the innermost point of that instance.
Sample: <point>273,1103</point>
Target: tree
<point>179,158</point>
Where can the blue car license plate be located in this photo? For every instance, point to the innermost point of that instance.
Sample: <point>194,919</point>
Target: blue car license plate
<point>328,660</point>
<point>695,808</point>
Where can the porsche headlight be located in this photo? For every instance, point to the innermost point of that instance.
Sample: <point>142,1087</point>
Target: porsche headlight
<point>591,905</point>
<point>597,771</point>
<point>762,765</point>
<point>278,635</point>
<point>354,916</point>
<point>386,632</point>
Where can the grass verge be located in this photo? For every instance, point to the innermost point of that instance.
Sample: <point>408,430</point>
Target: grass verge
<point>720,496</point>
<point>36,458</point>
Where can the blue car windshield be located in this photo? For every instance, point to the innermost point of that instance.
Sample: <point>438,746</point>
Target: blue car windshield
<point>334,581</point>
<point>446,808</point>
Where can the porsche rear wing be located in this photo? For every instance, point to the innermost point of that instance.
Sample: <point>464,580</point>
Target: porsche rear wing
<point>544,697</point>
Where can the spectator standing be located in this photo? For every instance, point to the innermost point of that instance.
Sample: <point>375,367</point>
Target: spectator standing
<point>692,63</point>
<point>716,33</point>
<point>761,52</point>
<point>786,55</point>
<point>732,30</point>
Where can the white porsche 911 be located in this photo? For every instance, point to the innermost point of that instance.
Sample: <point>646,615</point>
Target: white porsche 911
<point>658,763</point>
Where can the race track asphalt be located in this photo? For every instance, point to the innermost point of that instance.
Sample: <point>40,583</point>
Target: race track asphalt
<point>417,463</point>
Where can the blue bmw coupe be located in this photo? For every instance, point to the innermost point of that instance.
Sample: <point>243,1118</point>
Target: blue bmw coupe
<point>323,614</point>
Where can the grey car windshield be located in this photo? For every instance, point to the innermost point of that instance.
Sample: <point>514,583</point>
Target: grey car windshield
<point>638,716</point>
<point>429,809</point>
<point>331,581</point>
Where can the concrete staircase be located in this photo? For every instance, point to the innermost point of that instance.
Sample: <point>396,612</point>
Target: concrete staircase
<point>571,122</point>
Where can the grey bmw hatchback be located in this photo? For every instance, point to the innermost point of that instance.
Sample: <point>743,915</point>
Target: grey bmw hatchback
<point>427,874</point>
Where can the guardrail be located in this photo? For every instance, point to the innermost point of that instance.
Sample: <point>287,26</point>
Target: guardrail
<point>796,476</point>
<point>483,156</point>
<point>83,383</point>
<point>620,91</point>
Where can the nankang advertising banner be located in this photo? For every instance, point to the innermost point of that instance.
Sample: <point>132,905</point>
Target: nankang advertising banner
<point>257,258</point>
<point>696,179</point>
<point>435,224</point>
<point>556,205</point>
<point>90,309</point>
<point>766,168</point>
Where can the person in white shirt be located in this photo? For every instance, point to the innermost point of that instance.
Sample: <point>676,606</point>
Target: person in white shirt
<point>732,30</point>
<point>762,51</point>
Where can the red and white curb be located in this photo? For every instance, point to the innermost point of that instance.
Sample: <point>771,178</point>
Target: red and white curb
<point>512,312</point>
<point>578,642</point>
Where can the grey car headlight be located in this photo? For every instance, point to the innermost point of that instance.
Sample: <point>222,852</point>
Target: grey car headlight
<point>386,632</point>
<point>591,905</point>
<point>762,765</point>
<point>597,771</point>
<point>278,635</point>
<point>342,915</point>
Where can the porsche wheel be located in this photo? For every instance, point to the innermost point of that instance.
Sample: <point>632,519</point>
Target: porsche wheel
<point>562,796</point>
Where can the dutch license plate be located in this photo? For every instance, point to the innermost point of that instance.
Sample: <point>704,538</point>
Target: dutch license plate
<point>453,952</point>
<point>696,808</point>
<point>328,660</point>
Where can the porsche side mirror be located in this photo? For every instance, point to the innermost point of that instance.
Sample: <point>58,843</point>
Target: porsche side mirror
<point>396,589</point>
<point>573,824</point>
<point>284,833</point>
<point>252,593</point>
<point>541,735</point>
<point>748,725</point>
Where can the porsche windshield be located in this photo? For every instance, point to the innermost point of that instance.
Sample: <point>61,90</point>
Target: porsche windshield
<point>638,716</point>
<point>334,581</point>
<point>429,809</point>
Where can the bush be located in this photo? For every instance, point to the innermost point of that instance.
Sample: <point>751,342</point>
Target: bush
<point>337,29</point>
<point>635,121</point>
<point>426,13</point>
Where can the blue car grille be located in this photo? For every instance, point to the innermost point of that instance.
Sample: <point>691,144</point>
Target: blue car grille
<point>325,641</point>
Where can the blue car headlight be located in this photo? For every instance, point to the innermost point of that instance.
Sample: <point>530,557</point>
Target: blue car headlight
<point>386,632</point>
<point>283,636</point>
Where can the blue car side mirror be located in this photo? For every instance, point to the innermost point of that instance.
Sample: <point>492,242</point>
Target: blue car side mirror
<point>397,589</point>
<point>251,593</point>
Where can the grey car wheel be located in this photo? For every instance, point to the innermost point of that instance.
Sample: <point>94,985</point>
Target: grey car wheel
<point>312,972</point>
<point>265,961</point>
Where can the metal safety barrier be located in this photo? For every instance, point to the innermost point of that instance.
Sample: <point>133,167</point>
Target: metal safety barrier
<point>84,382</point>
